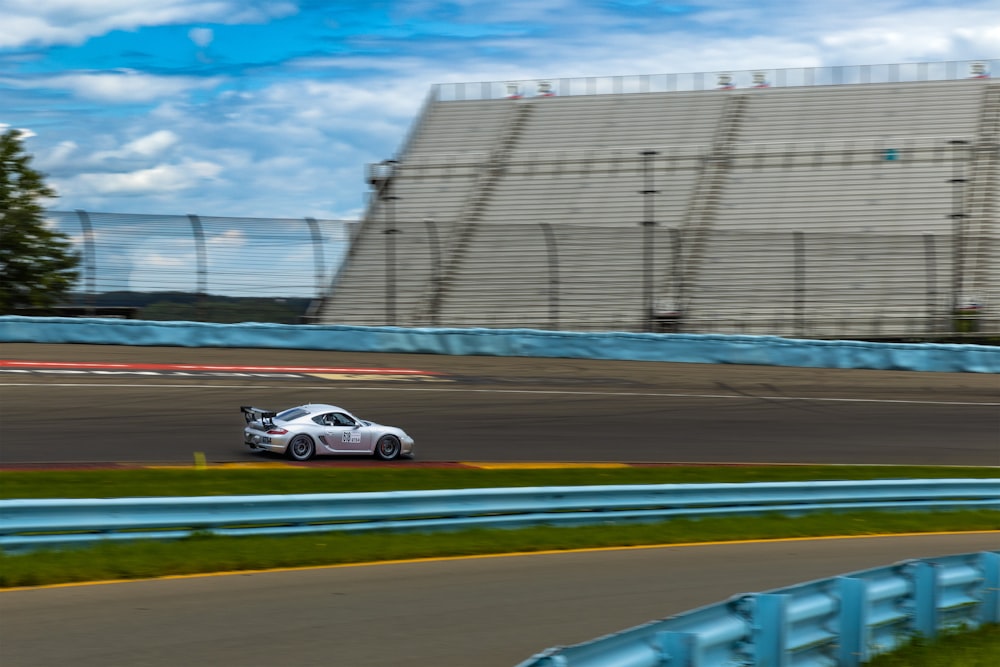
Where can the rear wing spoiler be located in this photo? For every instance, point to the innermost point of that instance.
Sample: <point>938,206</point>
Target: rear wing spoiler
<point>252,414</point>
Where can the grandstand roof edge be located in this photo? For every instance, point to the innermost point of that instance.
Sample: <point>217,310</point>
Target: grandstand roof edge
<point>955,70</point>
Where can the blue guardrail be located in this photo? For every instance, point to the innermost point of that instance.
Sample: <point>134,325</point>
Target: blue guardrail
<point>27,524</point>
<point>838,622</point>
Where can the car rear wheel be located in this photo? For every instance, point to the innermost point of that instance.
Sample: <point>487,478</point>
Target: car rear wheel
<point>301,448</point>
<point>387,447</point>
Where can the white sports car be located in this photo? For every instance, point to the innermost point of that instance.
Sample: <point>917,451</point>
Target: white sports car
<point>317,429</point>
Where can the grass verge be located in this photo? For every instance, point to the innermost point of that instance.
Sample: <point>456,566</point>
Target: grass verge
<point>204,553</point>
<point>976,648</point>
<point>211,481</point>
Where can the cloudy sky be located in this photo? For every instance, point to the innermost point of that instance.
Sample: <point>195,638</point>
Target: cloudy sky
<point>273,108</point>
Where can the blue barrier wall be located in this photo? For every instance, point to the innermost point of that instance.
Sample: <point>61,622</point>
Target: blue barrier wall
<point>838,622</point>
<point>707,349</point>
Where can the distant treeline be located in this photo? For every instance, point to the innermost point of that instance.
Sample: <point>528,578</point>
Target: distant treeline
<point>180,306</point>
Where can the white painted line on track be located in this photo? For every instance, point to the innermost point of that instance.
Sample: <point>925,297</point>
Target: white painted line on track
<point>551,392</point>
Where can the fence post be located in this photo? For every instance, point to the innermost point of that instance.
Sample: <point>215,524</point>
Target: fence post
<point>199,242</point>
<point>317,240</point>
<point>550,244</point>
<point>434,241</point>
<point>930,260</point>
<point>799,243</point>
<point>648,223</point>
<point>90,261</point>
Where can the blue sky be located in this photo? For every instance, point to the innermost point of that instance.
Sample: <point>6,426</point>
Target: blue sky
<point>273,109</point>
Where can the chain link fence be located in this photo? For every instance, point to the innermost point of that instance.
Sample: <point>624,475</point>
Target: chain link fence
<point>129,261</point>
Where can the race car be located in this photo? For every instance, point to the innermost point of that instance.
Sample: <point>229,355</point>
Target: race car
<point>319,429</point>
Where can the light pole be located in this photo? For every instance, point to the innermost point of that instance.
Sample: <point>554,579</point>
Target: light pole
<point>958,232</point>
<point>435,266</point>
<point>390,232</point>
<point>390,259</point>
<point>648,223</point>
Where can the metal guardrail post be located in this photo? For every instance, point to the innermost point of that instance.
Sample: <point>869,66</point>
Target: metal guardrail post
<point>769,629</point>
<point>990,609</point>
<point>842,621</point>
<point>925,599</point>
<point>852,650</point>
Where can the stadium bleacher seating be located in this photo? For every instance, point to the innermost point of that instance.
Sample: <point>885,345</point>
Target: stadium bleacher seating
<point>856,210</point>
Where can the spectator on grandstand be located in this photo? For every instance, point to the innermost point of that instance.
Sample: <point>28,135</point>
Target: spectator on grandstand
<point>513,91</point>
<point>760,81</point>
<point>979,71</point>
<point>726,82</point>
<point>667,317</point>
<point>545,89</point>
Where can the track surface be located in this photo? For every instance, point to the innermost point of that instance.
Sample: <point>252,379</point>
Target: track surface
<point>495,409</point>
<point>486,611</point>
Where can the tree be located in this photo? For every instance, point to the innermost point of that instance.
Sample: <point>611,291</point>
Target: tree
<point>37,264</point>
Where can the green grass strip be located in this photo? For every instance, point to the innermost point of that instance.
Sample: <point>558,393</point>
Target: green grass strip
<point>202,554</point>
<point>975,648</point>
<point>205,553</point>
<point>215,481</point>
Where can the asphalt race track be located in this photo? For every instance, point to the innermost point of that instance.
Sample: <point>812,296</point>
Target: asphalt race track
<point>489,612</point>
<point>492,408</point>
<point>108,404</point>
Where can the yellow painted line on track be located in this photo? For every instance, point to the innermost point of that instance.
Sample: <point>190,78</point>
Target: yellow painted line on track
<point>547,552</point>
<point>540,465</point>
<point>274,465</point>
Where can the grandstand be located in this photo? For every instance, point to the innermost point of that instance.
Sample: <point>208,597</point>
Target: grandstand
<point>830,210</point>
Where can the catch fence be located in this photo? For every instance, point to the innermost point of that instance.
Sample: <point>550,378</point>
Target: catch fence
<point>570,271</point>
<point>250,257</point>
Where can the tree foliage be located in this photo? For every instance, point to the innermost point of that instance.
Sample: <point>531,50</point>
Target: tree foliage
<point>37,263</point>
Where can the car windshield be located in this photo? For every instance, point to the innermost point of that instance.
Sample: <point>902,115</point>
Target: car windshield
<point>291,414</point>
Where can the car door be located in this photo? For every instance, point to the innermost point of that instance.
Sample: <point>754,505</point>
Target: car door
<point>343,433</point>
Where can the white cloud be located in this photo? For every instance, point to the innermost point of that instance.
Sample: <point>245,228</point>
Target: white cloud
<point>147,146</point>
<point>161,261</point>
<point>201,36</point>
<point>291,138</point>
<point>152,144</point>
<point>121,86</point>
<point>22,133</point>
<point>62,152</point>
<point>150,181</point>
<point>231,238</point>
<point>928,34</point>
<point>51,22</point>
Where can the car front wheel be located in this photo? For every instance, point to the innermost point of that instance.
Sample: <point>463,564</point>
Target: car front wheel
<point>301,448</point>
<point>387,448</point>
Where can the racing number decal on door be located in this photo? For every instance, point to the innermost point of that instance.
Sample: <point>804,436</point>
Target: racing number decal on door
<point>352,437</point>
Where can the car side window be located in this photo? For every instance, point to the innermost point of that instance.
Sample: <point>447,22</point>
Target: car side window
<point>337,419</point>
